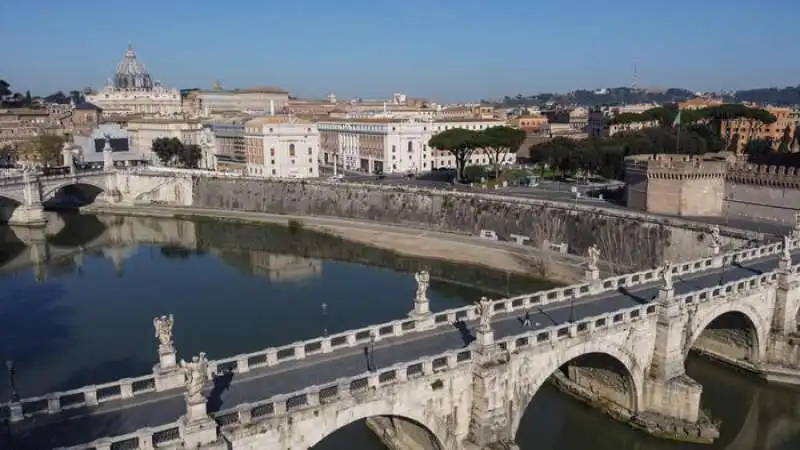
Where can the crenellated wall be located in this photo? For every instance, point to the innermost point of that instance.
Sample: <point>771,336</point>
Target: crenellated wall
<point>711,186</point>
<point>763,192</point>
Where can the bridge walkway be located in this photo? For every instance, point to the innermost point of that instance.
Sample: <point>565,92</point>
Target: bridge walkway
<point>79,426</point>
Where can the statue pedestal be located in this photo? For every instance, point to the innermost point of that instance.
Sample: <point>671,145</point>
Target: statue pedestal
<point>196,427</point>
<point>15,412</point>
<point>167,373</point>
<point>592,276</point>
<point>484,337</point>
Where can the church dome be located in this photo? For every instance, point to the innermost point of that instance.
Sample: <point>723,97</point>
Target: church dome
<point>132,74</point>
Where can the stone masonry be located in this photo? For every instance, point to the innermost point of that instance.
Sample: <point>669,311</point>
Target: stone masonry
<point>635,242</point>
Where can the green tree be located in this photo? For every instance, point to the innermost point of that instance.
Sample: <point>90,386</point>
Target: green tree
<point>5,88</point>
<point>758,147</point>
<point>44,150</point>
<point>190,156</point>
<point>168,150</point>
<point>499,141</point>
<point>460,142</point>
<point>786,140</point>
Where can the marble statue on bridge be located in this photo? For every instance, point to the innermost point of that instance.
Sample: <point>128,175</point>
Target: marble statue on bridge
<point>666,274</point>
<point>594,257</point>
<point>196,375</point>
<point>163,326</point>
<point>716,239</point>
<point>484,310</point>
<point>423,279</point>
<point>786,251</point>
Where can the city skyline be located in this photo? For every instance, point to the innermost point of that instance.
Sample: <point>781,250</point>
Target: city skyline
<point>428,50</point>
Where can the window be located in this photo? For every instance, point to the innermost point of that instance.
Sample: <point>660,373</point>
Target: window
<point>410,147</point>
<point>310,170</point>
<point>270,130</point>
<point>272,152</point>
<point>310,160</point>
<point>291,150</point>
<point>310,151</point>
<point>273,171</point>
<point>394,148</point>
<point>272,162</point>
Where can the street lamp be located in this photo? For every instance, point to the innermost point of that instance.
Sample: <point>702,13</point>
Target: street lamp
<point>11,383</point>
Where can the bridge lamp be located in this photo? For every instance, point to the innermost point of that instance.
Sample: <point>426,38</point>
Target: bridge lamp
<point>12,384</point>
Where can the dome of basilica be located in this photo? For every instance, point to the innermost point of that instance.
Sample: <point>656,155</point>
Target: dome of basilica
<point>132,74</point>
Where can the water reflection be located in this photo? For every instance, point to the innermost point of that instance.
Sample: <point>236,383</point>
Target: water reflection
<point>233,288</point>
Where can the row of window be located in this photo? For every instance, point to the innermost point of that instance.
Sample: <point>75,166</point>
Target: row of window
<point>292,151</point>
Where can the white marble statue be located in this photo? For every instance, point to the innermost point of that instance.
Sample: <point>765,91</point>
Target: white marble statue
<point>716,238</point>
<point>484,310</point>
<point>196,374</point>
<point>666,274</point>
<point>594,257</point>
<point>163,326</point>
<point>423,281</point>
<point>786,254</point>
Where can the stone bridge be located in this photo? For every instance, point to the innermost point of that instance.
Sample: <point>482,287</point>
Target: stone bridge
<point>465,375</point>
<point>22,198</point>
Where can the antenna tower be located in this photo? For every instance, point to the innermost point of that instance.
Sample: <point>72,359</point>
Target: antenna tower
<point>635,84</point>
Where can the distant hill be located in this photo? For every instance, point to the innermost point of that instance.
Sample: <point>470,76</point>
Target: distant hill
<point>789,96</point>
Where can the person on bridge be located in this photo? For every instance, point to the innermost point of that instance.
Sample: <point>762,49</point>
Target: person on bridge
<point>526,321</point>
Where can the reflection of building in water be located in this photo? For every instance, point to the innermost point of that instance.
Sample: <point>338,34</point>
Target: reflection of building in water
<point>118,255</point>
<point>284,267</point>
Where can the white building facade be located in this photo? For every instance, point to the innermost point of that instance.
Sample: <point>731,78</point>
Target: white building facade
<point>144,131</point>
<point>394,145</point>
<point>133,91</point>
<point>268,100</point>
<point>281,147</point>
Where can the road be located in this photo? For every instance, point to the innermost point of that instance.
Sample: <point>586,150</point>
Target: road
<point>155,409</point>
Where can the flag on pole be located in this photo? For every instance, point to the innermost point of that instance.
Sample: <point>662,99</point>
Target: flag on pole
<point>677,122</point>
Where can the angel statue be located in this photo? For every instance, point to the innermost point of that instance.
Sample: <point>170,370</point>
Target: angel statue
<point>786,255</point>
<point>163,326</point>
<point>716,238</point>
<point>484,310</point>
<point>196,374</point>
<point>423,281</point>
<point>666,274</point>
<point>594,257</point>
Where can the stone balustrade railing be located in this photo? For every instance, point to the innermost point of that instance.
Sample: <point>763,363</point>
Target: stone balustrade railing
<point>167,435</point>
<point>272,356</point>
<point>738,287</point>
<point>86,396</point>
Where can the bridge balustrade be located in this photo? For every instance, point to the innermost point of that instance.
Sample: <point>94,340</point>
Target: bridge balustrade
<point>738,287</point>
<point>87,396</point>
<point>150,438</point>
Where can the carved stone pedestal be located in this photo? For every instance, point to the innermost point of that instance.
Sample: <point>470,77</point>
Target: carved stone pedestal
<point>15,412</point>
<point>196,427</point>
<point>167,373</point>
<point>424,320</point>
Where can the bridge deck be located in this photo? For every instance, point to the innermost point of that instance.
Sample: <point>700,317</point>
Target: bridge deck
<point>121,417</point>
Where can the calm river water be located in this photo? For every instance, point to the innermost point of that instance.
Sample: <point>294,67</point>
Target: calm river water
<point>86,317</point>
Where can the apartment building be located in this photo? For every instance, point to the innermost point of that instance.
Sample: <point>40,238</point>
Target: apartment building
<point>143,131</point>
<point>748,129</point>
<point>391,145</point>
<point>281,147</point>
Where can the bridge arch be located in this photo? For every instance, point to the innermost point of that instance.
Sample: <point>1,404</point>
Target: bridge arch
<point>530,377</point>
<point>327,427</point>
<point>90,189</point>
<point>727,319</point>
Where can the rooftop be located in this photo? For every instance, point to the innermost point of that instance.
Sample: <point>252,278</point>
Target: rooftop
<point>266,120</point>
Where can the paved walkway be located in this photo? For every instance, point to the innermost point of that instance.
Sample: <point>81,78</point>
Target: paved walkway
<point>122,417</point>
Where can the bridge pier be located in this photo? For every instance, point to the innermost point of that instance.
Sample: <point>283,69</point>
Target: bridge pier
<point>782,363</point>
<point>35,240</point>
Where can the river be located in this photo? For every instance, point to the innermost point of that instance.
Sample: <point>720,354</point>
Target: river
<point>85,316</point>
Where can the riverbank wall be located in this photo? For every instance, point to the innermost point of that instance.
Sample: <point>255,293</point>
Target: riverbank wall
<point>631,240</point>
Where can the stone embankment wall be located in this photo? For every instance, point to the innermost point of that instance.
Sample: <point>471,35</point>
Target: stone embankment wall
<point>763,192</point>
<point>630,240</point>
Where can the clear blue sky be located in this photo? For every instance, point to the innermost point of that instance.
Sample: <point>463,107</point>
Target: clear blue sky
<point>444,49</point>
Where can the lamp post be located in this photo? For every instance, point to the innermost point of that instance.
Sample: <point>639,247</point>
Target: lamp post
<point>11,383</point>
